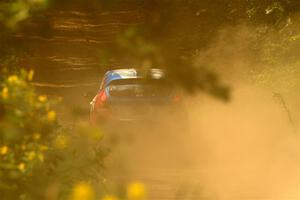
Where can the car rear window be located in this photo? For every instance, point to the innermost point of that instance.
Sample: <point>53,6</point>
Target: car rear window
<point>140,88</point>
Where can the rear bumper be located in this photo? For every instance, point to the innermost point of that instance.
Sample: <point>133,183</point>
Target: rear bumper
<point>153,115</point>
<point>156,116</point>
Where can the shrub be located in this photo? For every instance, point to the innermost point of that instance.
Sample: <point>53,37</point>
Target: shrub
<point>26,123</point>
<point>38,158</point>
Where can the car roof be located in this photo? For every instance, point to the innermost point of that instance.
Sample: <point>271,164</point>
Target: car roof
<point>131,73</point>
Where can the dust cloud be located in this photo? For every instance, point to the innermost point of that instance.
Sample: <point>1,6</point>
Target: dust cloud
<point>247,148</point>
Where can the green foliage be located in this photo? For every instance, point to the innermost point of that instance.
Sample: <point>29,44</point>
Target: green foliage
<point>14,12</point>
<point>78,156</point>
<point>36,155</point>
<point>26,122</point>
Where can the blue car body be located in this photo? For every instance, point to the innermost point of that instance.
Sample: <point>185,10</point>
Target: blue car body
<point>130,94</point>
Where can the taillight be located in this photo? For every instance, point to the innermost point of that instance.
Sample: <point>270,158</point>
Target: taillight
<point>103,96</point>
<point>102,111</point>
<point>101,99</point>
<point>176,98</point>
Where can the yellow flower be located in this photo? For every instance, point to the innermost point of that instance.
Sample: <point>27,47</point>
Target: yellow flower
<point>3,150</point>
<point>41,157</point>
<point>30,75</point>
<point>136,191</point>
<point>82,191</point>
<point>36,136</point>
<point>44,147</point>
<point>60,142</point>
<point>4,93</point>
<point>42,98</point>
<point>51,115</point>
<point>21,167</point>
<point>31,155</point>
<point>23,147</point>
<point>109,197</point>
<point>13,79</point>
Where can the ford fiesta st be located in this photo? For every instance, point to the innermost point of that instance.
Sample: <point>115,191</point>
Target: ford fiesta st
<point>131,95</point>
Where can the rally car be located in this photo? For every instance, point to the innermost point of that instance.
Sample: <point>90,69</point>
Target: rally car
<point>132,95</point>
